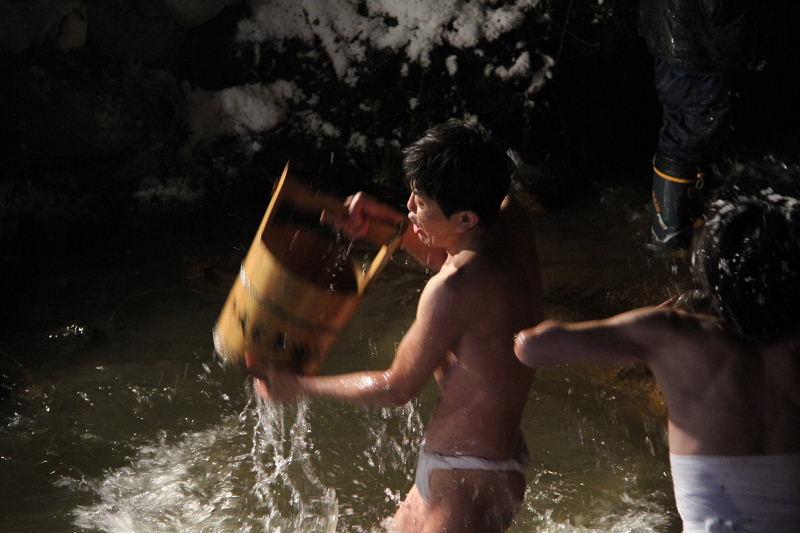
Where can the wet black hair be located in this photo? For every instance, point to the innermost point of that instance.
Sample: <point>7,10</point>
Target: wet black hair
<point>461,167</point>
<point>748,258</point>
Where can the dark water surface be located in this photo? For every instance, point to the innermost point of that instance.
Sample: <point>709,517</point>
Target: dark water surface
<point>122,420</point>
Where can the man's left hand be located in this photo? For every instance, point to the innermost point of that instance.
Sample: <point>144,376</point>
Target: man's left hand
<point>272,383</point>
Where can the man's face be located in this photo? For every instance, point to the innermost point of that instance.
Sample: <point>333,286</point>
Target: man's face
<point>429,223</point>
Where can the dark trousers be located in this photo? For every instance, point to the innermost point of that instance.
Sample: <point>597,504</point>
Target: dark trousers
<point>696,109</point>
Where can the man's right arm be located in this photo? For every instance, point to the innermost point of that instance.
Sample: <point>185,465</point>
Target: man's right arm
<point>629,336</point>
<point>362,207</point>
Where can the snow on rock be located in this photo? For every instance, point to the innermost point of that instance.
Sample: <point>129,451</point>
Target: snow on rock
<point>345,31</point>
<point>361,65</point>
<point>452,65</point>
<point>471,118</point>
<point>414,26</point>
<point>313,123</point>
<point>520,68</point>
<point>358,141</point>
<point>539,78</point>
<point>153,193</point>
<point>238,111</point>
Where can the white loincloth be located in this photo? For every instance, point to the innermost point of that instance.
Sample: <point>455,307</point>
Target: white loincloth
<point>748,493</point>
<point>429,462</point>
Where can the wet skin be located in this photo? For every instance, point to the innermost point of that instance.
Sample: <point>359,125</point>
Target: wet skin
<point>723,397</point>
<point>487,287</point>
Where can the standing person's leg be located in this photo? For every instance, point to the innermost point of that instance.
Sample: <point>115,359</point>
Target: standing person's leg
<point>464,501</point>
<point>696,107</point>
<point>410,516</point>
<point>473,501</point>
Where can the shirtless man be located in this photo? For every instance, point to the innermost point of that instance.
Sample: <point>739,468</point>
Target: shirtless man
<point>731,381</point>
<point>470,472</point>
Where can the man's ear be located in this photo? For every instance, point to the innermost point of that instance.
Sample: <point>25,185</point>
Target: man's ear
<point>465,220</point>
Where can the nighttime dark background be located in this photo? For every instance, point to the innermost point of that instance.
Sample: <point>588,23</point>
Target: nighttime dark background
<point>86,131</point>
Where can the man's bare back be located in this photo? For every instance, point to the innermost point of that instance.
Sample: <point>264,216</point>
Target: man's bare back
<point>752,391</point>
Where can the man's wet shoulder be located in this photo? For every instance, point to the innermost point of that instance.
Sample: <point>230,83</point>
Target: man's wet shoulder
<point>672,330</point>
<point>472,284</point>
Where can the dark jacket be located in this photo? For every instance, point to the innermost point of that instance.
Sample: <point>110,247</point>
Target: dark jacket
<point>706,35</point>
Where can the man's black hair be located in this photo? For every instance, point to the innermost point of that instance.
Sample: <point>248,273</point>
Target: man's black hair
<point>748,258</point>
<point>461,167</point>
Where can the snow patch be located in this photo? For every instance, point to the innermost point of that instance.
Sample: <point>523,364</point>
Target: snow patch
<point>415,27</point>
<point>358,141</point>
<point>313,123</point>
<point>452,65</point>
<point>471,119</point>
<point>545,73</point>
<point>345,31</point>
<point>520,68</point>
<point>175,190</point>
<point>241,111</point>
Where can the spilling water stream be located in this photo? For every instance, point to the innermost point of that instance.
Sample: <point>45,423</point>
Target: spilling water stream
<point>125,422</point>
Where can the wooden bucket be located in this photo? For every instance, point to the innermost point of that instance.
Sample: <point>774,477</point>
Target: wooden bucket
<point>298,286</point>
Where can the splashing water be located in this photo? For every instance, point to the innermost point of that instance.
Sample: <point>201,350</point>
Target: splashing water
<point>186,485</point>
<point>209,481</point>
<point>287,487</point>
<point>258,471</point>
<point>643,517</point>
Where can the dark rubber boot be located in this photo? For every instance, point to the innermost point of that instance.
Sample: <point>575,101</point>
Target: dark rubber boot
<point>676,202</point>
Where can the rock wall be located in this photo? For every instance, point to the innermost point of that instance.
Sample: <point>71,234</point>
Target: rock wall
<point>178,104</point>
<point>162,102</point>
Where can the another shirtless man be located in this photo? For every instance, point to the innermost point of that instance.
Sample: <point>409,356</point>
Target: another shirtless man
<point>470,473</point>
<point>731,381</point>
